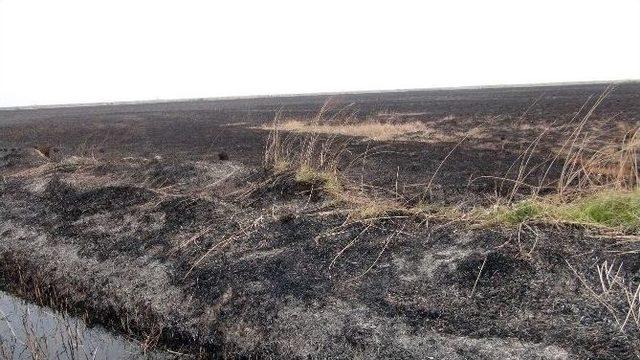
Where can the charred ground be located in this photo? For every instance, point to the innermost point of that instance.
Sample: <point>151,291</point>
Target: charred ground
<point>138,223</point>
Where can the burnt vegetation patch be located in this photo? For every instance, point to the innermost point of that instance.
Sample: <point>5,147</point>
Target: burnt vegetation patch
<point>492,269</point>
<point>284,186</point>
<point>188,212</point>
<point>71,203</point>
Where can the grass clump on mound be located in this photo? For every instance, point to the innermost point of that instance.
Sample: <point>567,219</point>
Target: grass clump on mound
<point>359,204</point>
<point>328,180</point>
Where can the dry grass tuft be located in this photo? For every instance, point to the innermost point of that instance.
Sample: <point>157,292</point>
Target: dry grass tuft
<point>608,165</point>
<point>320,159</point>
<point>594,161</point>
<point>375,130</point>
<point>44,150</point>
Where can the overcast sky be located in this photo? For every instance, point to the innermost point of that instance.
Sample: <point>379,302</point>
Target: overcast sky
<point>74,51</point>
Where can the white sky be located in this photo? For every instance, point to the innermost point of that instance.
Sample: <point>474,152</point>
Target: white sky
<point>72,51</point>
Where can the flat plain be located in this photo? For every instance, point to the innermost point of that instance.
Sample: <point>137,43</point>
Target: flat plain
<point>455,223</point>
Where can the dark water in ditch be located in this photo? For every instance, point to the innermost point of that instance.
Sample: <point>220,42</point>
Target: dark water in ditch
<point>29,331</point>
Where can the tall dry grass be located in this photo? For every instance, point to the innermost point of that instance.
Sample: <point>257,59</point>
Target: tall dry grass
<point>591,178</point>
<point>322,159</point>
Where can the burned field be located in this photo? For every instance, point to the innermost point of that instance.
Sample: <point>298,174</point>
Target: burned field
<point>494,223</point>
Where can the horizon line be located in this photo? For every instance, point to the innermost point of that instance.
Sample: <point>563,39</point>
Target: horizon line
<point>313,94</point>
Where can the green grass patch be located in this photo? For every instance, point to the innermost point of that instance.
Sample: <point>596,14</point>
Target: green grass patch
<point>611,209</point>
<point>523,211</point>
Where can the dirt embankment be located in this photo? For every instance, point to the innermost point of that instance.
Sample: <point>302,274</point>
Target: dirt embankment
<point>217,258</point>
